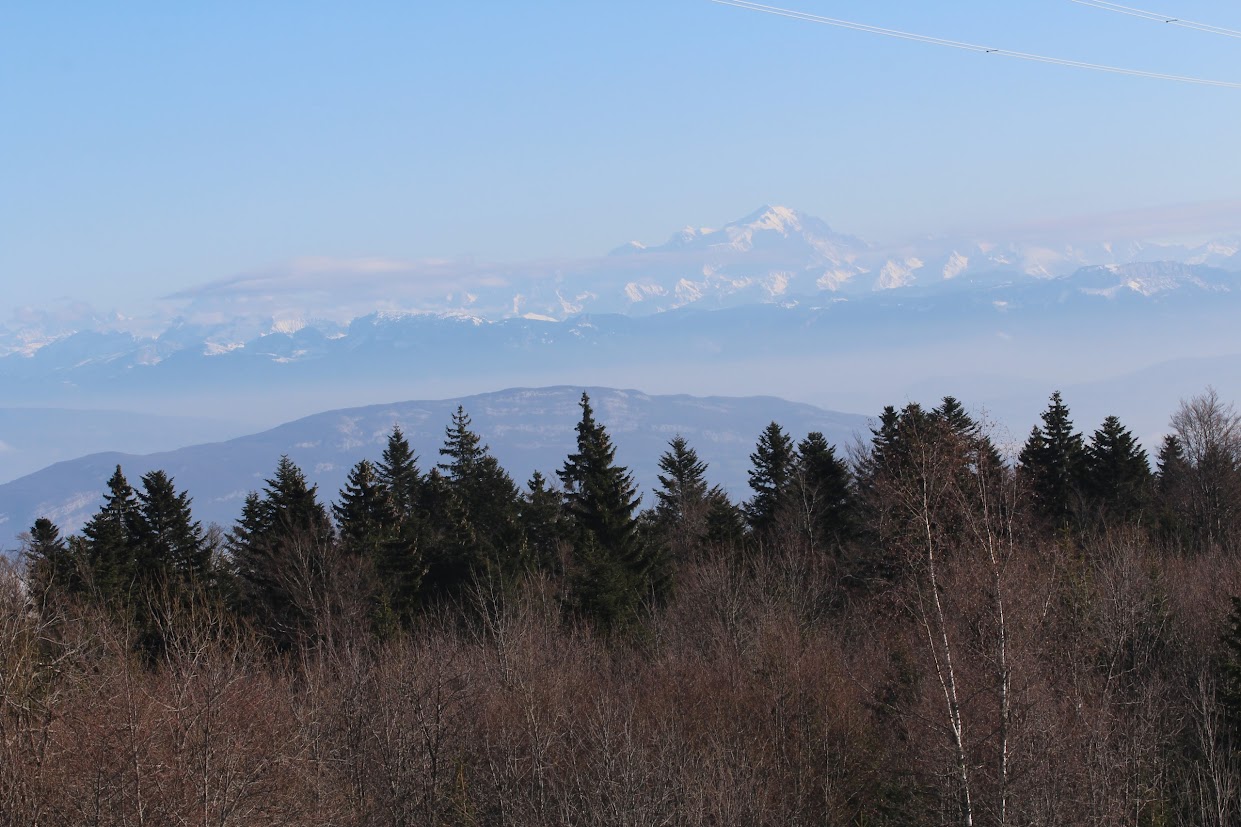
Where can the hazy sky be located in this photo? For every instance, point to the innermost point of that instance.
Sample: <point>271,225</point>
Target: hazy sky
<point>146,147</point>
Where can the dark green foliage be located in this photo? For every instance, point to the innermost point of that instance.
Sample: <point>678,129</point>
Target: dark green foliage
<point>543,524</point>
<point>52,572</point>
<point>824,494</point>
<point>397,473</point>
<point>683,483</point>
<point>771,478</point>
<point>1117,477</point>
<point>473,505</point>
<point>364,516</point>
<point>280,549</point>
<point>725,522</point>
<point>110,564</point>
<point>142,555</point>
<point>1053,462</point>
<point>930,482</point>
<point>1171,494</point>
<point>681,519</point>
<point>401,563</point>
<point>614,569</point>
<point>171,547</point>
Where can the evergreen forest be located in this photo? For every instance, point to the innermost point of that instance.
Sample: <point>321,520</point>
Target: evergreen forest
<point>927,627</point>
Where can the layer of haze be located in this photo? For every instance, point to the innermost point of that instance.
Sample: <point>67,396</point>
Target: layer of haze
<point>148,147</point>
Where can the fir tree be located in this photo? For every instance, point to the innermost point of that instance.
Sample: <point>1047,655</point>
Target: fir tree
<point>1171,496</point>
<point>364,516</point>
<point>171,548</point>
<point>683,500</point>
<point>725,529</point>
<point>52,571</point>
<point>1117,473</point>
<point>614,568</point>
<point>1053,461</point>
<point>476,508</point>
<point>398,474</point>
<point>401,564</point>
<point>543,525</point>
<point>279,550</point>
<point>824,493</point>
<point>771,477</point>
<point>109,543</point>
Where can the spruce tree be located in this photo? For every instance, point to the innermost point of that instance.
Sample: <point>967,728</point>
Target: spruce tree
<point>109,543</point>
<point>402,561</point>
<point>824,494</point>
<point>543,524</point>
<point>683,500</point>
<point>1117,473</point>
<point>365,518</point>
<point>52,572</point>
<point>1053,461</point>
<point>172,549</point>
<point>614,568</point>
<point>397,472</point>
<point>1171,495</point>
<point>771,478</point>
<point>279,548</point>
<point>476,507</point>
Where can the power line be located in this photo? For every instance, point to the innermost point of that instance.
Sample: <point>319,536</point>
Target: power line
<point>1158,18</point>
<point>971,47</point>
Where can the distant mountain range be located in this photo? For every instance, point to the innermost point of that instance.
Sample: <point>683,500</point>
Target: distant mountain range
<point>527,430</point>
<point>776,303</point>
<point>774,255</point>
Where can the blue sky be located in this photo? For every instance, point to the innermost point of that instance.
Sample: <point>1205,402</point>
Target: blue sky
<point>147,147</point>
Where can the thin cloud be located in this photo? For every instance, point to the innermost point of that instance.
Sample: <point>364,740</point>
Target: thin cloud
<point>1177,223</point>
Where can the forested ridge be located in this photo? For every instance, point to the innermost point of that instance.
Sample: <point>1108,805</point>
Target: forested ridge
<point>913,630</point>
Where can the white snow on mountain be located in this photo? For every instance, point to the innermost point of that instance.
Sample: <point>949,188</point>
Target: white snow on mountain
<point>898,273</point>
<point>773,255</point>
<point>956,265</point>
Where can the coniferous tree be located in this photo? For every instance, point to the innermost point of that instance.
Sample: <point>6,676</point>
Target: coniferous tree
<point>725,530</point>
<point>952,413</point>
<point>402,561</point>
<point>476,505</point>
<point>683,500</point>
<point>280,549</point>
<point>171,548</point>
<point>614,568</point>
<point>1117,473</point>
<point>916,462</point>
<point>824,494</point>
<point>53,572</point>
<point>397,472</point>
<point>543,524</point>
<point>1171,481</point>
<point>364,516</point>
<point>1053,461</point>
<point>771,478</point>
<point>109,544</point>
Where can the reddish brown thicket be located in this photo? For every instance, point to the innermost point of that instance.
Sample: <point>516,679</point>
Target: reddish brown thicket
<point>750,698</point>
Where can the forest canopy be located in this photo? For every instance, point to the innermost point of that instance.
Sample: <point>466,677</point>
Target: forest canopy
<point>916,629</point>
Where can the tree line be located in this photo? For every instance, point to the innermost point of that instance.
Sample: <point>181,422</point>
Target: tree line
<point>916,629</point>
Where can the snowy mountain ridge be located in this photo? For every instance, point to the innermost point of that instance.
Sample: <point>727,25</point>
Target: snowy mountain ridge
<point>773,255</point>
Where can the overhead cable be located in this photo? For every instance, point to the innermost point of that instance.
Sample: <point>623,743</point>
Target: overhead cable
<point>955,44</point>
<point>1158,18</point>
